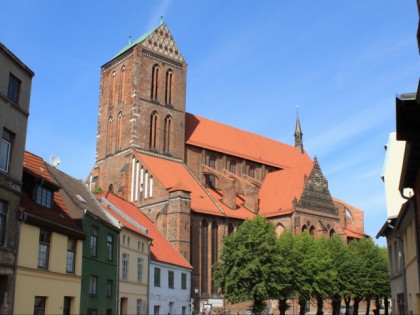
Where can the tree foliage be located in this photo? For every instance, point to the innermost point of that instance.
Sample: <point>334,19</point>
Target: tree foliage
<point>249,258</point>
<point>255,265</point>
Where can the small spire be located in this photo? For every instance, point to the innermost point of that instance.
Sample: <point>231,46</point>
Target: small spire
<point>298,132</point>
<point>161,20</point>
<point>129,39</point>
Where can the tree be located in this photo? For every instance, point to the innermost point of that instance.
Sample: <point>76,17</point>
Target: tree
<point>249,259</point>
<point>286,275</point>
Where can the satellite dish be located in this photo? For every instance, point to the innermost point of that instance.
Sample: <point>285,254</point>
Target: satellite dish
<point>55,161</point>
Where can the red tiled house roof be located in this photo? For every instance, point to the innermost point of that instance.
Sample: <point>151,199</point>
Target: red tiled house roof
<point>161,250</point>
<point>57,217</point>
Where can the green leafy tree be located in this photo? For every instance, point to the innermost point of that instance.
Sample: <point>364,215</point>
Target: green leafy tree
<point>287,273</point>
<point>249,259</point>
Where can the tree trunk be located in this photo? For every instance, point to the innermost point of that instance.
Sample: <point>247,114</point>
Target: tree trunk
<point>367,306</point>
<point>347,302</point>
<point>283,306</point>
<point>302,306</point>
<point>386,305</point>
<point>319,305</point>
<point>356,302</point>
<point>336,302</point>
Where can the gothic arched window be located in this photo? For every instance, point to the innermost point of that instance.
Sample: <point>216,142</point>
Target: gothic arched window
<point>214,251</point>
<point>112,87</point>
<point>230,229</point>
<point>211,179</point>
<point>312,230</point>
<point>122,85</point>
<point>153,129</point>
<point>167,134</point>
<point>155,82</point>
<point>119,130</point>
<point>204,257</point>
<point>169,84</point>
<point>232,167</point>
<point>109,136</point>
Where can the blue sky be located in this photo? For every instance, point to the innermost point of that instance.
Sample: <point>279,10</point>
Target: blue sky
<point>249,64</point>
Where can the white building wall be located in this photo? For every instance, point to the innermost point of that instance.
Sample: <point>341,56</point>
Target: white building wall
<point>392,174</point>
<point>170,301</point>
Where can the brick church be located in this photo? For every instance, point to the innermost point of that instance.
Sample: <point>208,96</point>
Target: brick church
<point>195,178</point>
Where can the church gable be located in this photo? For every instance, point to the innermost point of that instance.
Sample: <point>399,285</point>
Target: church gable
<point>162,41</point>
<point>316,195</point>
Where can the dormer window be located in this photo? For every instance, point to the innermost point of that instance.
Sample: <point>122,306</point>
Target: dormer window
<point>43,196</point>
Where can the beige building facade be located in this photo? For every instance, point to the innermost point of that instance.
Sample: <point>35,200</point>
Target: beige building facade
<point>15,90</point>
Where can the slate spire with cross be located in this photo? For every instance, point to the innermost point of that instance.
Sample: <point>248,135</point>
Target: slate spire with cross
<point>298,132</point>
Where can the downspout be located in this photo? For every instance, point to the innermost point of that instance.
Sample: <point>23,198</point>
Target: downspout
<point>21,219</point>
<point>148,280</point>
<point>118,276</point>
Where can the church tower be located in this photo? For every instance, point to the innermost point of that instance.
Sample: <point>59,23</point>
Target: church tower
<point>142,98</point>
<point>142,104</point>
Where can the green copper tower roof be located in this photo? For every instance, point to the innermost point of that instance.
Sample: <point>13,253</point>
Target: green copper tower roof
<point>137,41</point>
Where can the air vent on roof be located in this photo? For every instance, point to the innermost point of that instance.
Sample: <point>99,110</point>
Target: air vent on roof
<point>81,198</point>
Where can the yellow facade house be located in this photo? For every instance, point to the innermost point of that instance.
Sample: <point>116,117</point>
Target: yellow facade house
<point>134,260</point>
<point>48,277</point>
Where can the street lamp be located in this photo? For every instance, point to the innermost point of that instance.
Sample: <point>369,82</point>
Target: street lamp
<point>196,306</point>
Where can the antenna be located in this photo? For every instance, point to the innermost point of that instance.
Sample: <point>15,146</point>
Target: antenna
<point>55,160</point>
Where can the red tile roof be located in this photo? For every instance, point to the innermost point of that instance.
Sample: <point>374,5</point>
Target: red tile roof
<point>173,174</point>
<point>35,165</point>
<point>209,134</point>
<point>161,250</point>
<point>58,215</point>
<point>280,188</point>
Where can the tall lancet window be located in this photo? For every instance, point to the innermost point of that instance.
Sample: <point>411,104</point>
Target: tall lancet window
<point>153,130</point>
<point>122,85</point>
<point>119,131</point>
<point>168,90</point>
<point>155,82</point>
<point>109,136</point>
<point>214,252</point>
<point>204,257</point>
<point>167,134</point>
<point>112,87</point>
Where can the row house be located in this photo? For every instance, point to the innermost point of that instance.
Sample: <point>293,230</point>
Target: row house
<point>49,266</point>
<point>169,273</point>
<point>15,91</point>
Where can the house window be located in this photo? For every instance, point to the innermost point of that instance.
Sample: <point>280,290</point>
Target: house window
<point>39,305</point>
<point>168,90</point>
<point>43,196</point>
<point>93,285</point>
<point>156,309</point>
<point>171,279</point>
<point>139,269</point>
<point>155,82</point>
<point>157,277</point>
<point>124,266</point>
<point>184,310</point>
<point>13,88</point>
<point>109,247</point>
<point>109,288</point>
<point>183,281</point>
<point>94,242</point>
<point>71,255</point>
<point>44,249</point>
<point>138,307</point>
<point>153,130</point>
<point>67,305</point>
<point>92,311</point>
<point>3,213</point>
<point>5,149</point>
<point>167,134</point>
